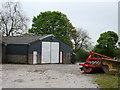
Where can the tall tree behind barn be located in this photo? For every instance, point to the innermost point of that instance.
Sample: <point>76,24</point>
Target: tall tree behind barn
<point>12,20</point>
<point>52,22</point>
<point>80,39</point>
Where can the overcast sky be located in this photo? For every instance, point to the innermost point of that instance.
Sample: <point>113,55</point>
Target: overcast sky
<point>95,16</point>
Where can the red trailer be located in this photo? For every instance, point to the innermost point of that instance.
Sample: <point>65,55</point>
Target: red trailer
<point>93,65</point>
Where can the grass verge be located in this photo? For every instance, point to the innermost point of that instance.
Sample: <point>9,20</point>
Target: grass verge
<point>106,80</point>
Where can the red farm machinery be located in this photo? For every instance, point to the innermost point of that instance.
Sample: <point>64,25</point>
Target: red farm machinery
<point>100,64</point>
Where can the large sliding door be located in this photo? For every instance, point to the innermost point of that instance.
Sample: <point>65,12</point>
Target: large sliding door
<point>50,52</point>
<point>54,52</point>
<point>45,52</point>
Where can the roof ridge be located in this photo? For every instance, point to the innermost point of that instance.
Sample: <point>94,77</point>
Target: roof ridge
<point>27,35</point>
<point>24,39</point>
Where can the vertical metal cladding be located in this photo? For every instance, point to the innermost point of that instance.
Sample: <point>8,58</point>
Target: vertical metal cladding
<point>16,53</point>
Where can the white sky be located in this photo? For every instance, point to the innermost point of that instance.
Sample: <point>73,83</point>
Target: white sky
<point>66,0</point>
<point>95,16</point>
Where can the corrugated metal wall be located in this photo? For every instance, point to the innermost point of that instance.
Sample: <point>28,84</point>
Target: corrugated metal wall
<point>17,49</point>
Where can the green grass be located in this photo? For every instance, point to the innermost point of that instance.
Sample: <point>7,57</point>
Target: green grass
<point>106,80</point>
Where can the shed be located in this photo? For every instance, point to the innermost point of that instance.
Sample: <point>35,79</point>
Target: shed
<point>35,49</point>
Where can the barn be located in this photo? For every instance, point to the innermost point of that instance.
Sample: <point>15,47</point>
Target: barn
<point>35,49</point>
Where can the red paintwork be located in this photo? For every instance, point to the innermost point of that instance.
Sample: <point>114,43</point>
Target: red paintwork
<point>91,55</point>
<point>94,59</point>
<point>91,58</point>
<point>88,65</point>
<point>40,58</point>
<point>87,69</point>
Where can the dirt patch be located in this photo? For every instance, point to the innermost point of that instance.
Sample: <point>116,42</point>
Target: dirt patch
<point>45,76</point>
<point>19,80</point>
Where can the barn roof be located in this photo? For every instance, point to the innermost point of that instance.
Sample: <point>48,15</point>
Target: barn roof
<point>23,39</point>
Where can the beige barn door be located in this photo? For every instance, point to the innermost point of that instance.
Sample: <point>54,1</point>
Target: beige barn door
<point>50,52</point>
<point>54,52</point>
<point>45,52</point>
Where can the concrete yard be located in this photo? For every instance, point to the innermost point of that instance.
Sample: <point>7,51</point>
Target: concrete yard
<point>45,76</point>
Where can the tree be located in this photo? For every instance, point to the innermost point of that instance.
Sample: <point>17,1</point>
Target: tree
<point>80,39</point>
<point>12,20</point>
<point>107,44</point>
<point>55,23</point>
<point>82,55</point>
<point>118,53</point>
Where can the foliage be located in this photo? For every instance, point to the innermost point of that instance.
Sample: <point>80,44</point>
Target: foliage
<point>81,43</point>
<point>55,23</point>
<point>107,44</point>
<point>108,39</point>
<point>12,20</point>
<point>82,55</point>
<point>80,39</point>
<point>118,53</point>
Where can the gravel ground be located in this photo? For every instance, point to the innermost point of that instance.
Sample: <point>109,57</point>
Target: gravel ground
<point>45,76</point>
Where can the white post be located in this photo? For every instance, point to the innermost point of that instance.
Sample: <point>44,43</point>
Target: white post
<point>34,57</point>
<point>61,57</point>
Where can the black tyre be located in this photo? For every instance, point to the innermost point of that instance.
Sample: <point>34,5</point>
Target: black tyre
<point>105,68</point>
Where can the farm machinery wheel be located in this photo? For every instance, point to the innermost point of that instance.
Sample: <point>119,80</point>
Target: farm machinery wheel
<point>88,69</point>
<point>105,68</point>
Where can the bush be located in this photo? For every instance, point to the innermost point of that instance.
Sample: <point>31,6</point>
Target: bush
<point>81,55</point>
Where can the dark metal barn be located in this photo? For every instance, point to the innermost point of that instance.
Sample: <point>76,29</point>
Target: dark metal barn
<point>36,49</point>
